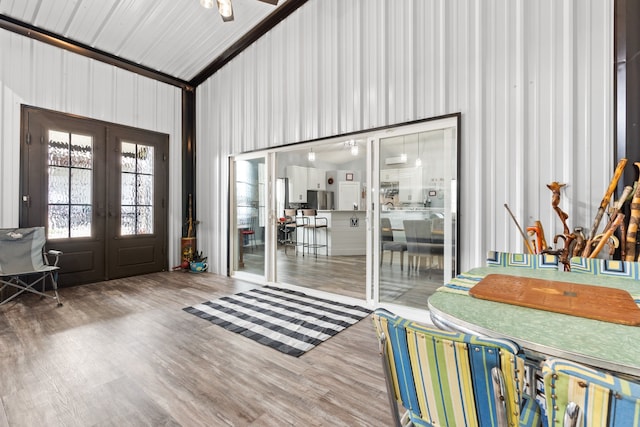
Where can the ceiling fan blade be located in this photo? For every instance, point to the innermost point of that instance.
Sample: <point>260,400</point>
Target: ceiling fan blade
<point>273,2</point>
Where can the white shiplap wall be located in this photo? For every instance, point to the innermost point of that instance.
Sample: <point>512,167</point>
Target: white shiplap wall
<point>40,75</point>
<point>532,79</point>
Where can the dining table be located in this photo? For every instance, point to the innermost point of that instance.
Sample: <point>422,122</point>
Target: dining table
<point>545,328</point>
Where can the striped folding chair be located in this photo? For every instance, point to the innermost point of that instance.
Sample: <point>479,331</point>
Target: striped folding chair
<point>577,395</point>
<point>451,379</point>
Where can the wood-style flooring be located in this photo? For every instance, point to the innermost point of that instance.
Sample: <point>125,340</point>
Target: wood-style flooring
<point>124,353</point>
<point>345,275</point>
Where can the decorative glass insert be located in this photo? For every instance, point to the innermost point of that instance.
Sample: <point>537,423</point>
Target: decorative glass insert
<point>70,186</point>
<point>136,203</point>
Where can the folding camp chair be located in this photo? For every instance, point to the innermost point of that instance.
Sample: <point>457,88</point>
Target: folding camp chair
<point>24,264</point>
<point>577,395</point>
<point>452,379</point>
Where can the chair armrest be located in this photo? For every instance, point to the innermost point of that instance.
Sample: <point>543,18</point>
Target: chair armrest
<point>54,253</point>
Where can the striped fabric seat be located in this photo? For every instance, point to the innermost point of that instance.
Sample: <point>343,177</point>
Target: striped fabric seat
<point>445,378</point>
<point>603,399</point>
<point>605,267</point>
<point>534,261</point>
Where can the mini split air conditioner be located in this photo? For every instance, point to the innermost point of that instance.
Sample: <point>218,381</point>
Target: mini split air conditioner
<point>395,161</point>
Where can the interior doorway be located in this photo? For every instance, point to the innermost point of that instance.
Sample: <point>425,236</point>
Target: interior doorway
<point>366,191</point>
<point>100,190</point>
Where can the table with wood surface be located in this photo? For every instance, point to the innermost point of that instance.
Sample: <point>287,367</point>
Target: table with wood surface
<point>543,331</point>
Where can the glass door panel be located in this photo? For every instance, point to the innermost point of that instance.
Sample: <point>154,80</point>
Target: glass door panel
<point>250,216</point>
<point>417,206</point>
<point>328,178</point>
<point>70,186</point>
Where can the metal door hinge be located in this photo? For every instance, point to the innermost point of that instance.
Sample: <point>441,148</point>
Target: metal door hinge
<point>26,198</point>
<point>28,141</point>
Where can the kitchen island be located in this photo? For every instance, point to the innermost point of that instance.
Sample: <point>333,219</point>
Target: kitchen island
<point>345,232</point>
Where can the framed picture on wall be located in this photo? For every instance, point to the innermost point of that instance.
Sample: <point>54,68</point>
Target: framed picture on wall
<point>349,177</point>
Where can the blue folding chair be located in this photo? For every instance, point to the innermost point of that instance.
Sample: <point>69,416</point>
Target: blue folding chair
<point>452,379</point>
<point>577,395</point>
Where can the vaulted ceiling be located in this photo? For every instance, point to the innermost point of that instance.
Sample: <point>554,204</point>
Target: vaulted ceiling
<point>176,38</point>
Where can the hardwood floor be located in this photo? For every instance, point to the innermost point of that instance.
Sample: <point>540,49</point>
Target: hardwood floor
<point>345,275</point>
<point>124,353</point>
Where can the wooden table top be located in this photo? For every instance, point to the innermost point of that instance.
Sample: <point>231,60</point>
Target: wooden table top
<point>590,301</point>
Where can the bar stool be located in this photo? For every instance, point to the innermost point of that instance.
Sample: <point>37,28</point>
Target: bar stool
<point>311,223</point>
<point>290,229</point>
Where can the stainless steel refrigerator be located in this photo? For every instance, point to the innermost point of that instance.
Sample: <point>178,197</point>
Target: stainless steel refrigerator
<point>282,195</point>
<point>320,199</point>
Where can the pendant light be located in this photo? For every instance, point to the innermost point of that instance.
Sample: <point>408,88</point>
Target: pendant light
<point>226,10</point>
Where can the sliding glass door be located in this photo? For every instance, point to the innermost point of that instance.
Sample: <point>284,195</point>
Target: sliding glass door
<point>369,216</point>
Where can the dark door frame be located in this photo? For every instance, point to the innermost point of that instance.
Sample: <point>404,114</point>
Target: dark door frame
<point>626,87</point>
<point>101,256</point>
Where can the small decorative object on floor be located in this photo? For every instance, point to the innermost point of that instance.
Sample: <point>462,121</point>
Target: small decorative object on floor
<point>198,266</point>
<point>289,321</point>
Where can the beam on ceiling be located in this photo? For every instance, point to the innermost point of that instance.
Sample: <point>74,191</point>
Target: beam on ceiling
<point>62,42</point>
<point>247,40</point>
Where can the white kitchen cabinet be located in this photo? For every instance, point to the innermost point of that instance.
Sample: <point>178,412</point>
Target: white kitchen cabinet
<point>389,175</point>
<point>297,184</point>
<point>348,195</point>
<point>316,179</point>
<point>410,185</point>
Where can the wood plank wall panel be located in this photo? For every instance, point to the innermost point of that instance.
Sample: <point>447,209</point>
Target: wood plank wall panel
<point>40,75</point>
<point>532,79</point>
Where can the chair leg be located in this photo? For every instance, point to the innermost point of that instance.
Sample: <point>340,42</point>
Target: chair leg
<point>393,404</point>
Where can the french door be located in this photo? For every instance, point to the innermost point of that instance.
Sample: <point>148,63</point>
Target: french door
<point>100,190</point>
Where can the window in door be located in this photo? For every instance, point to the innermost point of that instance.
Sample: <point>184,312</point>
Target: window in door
<point>70,186</point>
<point>136,216</point>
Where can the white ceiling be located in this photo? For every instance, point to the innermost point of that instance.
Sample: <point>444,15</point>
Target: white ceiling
<point>175,37</point>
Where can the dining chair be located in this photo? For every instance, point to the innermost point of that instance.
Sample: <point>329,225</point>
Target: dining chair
<point>580,395</point>
<point>437,238</point>
<point>419,246</point>
<point>388,243</point>
<point>443,378</point>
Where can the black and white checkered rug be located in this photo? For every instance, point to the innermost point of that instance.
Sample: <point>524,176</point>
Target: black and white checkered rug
<point>289,321</point>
